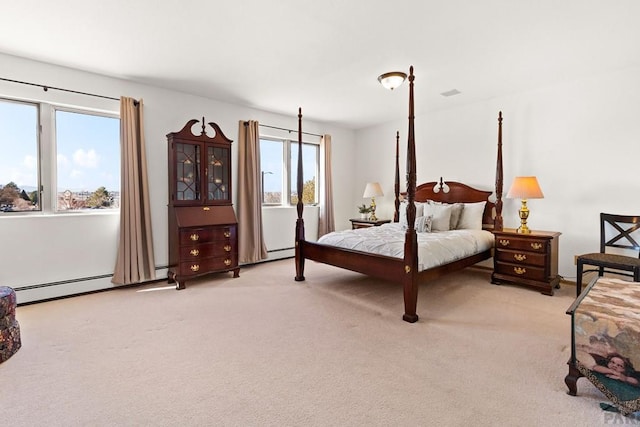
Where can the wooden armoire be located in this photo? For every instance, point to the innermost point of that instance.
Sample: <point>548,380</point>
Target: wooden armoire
<point>203,229</point>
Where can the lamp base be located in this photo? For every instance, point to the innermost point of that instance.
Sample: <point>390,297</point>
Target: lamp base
<point>524,214</point>
<point>373,217</point>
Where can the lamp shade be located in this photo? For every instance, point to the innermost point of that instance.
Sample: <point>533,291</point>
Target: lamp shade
<point>525,187</point>
<point>373,189</point>
<point>392,79</point>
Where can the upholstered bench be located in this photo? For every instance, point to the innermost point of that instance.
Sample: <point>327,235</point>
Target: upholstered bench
<point>9,327</point>
<point>605,341</point>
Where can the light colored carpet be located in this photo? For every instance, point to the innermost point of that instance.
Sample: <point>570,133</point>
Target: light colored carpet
<point>264,350</point>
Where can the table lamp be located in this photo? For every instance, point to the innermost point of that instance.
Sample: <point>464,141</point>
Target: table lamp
<point>373,190</point>
<point>524,187</point>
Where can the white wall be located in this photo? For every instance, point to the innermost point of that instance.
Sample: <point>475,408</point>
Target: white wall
<point>580,138</point>
<point>37,250</point>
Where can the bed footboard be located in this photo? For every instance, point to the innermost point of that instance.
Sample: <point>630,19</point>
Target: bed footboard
<point>378,266</point>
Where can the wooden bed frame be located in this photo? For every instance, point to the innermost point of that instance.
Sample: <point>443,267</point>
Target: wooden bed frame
<point>403,270</point>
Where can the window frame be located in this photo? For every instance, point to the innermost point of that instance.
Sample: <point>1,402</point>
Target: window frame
<point>287,170</point>
<point>47,152</point>
<point>38,129</point>
<point>316,173</point>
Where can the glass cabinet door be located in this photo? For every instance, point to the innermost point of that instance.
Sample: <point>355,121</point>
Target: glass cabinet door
<point>218,173</point>
<point>187,172</point>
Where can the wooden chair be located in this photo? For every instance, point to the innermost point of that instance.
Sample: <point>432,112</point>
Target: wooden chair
<point>615,232</point>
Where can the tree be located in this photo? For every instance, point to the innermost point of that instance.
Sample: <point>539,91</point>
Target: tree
<point>308,193</point>
<point>9,193</point>
<point>99,198</point>
<point>22,205</point>
<point>34,196</point>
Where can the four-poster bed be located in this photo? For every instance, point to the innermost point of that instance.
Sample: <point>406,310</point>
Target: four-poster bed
<point>406,265</point>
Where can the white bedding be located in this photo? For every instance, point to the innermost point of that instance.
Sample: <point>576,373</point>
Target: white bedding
<point>434,249</point>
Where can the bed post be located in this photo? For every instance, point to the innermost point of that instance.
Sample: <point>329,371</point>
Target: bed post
<point>410,277</point>
<point>396,215</point>
<point>497,222</point>
<point>299,206</point>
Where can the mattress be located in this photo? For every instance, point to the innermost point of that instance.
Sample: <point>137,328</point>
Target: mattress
<point>434,248</point>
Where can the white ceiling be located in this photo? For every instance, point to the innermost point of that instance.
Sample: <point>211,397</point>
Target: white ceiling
<point>325,56</point>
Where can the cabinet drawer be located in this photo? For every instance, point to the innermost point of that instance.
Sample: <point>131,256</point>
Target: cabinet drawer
<point>190,236</point>
<point>516,243</point>
<point>202,265</point>
<point>521,271</point>
<point>522,257</point>
<point>206,250</point>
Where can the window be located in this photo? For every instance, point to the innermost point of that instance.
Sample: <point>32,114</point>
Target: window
<point>88,161</point>
<point>272,170</point>
<point>310,155</point>
<point>19,172</point>
<point>279,171</point>
<point>57,159</point>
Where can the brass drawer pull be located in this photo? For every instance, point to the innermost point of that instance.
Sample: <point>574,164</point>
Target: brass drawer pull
<point>227,248</point>
<point>194,252</point>
<point>519,270</point>
<point>519,257</point>
<point>536,245</point>
<point>227,262</point>
<point>195,267</point>
<point>227,233</point>
<point>206,208</point>
<point>194,237</point>
<point>504,242</point>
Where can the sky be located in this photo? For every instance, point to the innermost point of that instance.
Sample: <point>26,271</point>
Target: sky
<point>271,163</point>
<point>88,149</point>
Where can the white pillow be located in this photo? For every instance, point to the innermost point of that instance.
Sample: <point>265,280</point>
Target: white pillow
<point>455,212</point>
<point>403,213</point>
<point>441,214</point>
<point>471,218</point>
<point>423,224</point>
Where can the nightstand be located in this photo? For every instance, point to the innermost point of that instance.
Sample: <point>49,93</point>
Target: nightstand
<point>362,223</point>
<point>526,259</point>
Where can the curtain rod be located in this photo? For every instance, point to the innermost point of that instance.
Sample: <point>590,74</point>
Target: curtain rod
<point>46,88</point>
<point>288,130</point>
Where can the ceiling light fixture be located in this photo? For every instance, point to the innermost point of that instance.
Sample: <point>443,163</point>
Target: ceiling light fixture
<point>392,79</point>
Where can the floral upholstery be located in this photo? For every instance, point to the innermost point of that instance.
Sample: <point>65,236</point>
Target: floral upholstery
<point>9,328</point>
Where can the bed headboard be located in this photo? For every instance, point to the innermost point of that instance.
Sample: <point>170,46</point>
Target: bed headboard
<point>458,193</point>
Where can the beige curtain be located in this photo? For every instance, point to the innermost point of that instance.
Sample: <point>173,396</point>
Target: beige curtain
<point>135,262</point>
<point>251,246</point>
<point>326,223</point>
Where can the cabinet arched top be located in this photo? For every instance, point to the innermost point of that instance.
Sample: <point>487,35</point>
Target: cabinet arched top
<point>186,133</point>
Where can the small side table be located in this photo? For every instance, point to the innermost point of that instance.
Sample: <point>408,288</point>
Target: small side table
<point>527,259</point>
<point>363,223</point>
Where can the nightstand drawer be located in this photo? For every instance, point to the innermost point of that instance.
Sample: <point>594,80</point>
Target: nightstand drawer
<point>364,223</point>
<point>521,271</point>
<point>522,257</point>
<point>517,243</point>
